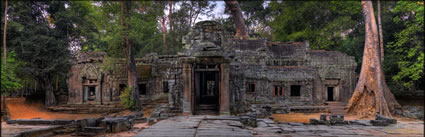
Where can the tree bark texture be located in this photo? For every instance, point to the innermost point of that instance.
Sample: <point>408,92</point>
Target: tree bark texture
<point>241,31</point>
<point>381,39</point>
<point>4,35</point>
<point>371,94</point>
<point>4,47</point>
<point>49,99</point>
<point>128,49</point>
<point>164,31</point>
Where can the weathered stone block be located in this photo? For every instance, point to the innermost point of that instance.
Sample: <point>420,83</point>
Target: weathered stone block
<point>323,117</point>
<point>379,122</point>
<point>389,120</point>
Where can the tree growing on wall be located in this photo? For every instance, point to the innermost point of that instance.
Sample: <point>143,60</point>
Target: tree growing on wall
<point>371,94</point>
<point>241,31</point>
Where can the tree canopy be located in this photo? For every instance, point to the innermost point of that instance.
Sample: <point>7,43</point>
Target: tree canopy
<point>42,36</point>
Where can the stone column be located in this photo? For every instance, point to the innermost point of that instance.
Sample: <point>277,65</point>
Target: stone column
<point>97,92</point>
<point>187,78</point>
<point>85,94</point>
<point>224,89</point>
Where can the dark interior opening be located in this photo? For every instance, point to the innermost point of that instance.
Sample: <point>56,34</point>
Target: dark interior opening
<point>251,87</point>
<point>281,91</point>
<point>122,88</point>
<point>142,89</point>
<point>165,88</point>
<point>331,94</point>
<point>207,92</point>
<point>278,90</point>
<point>92,93</point>
<point>295,90</point>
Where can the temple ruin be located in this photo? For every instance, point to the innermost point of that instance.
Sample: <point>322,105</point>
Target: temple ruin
<point>221,74</point>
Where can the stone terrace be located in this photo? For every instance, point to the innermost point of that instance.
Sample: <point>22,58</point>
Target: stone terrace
<point>197,126</point>
<point>228,126</point>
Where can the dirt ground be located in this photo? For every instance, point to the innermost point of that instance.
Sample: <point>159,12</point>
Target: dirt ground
<point>18,109</point>
<point>305,117</point>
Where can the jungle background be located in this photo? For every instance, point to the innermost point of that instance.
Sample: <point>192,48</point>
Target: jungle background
<point>42,36</point>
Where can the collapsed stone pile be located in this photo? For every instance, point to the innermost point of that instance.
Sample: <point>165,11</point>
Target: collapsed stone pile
<point>164,111</point>
<point>337,119</point>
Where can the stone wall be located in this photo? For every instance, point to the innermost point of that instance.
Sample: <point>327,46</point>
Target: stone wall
<point>253,64</point>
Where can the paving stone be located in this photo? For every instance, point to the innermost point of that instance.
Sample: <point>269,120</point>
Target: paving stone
<point>296,124</point>
<point>300,129</point>
<point>327,135</point>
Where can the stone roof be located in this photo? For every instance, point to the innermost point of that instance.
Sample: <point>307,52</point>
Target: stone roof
<point>293,50</point>
<point>251,44</point>
<point>281,73</point>
<point>293,73</point>
<point>321,57</point>
<point>84,56</point>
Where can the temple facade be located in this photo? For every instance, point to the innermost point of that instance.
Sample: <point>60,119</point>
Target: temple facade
<point>219,73</point>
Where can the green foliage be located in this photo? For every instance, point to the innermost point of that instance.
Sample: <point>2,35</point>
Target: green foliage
<point>143,33</point>
<point>323,23</point>
<point>127,99</point>
<point>9,79</point>
<point>109,64</point>
<point>409,44</point>
<point>183,19</point>
<point>39,42</point>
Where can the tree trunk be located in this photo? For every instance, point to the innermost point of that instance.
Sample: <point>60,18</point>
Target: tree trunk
<point>241,31</point>
<point>164,31</point>
<point>4,48</point>
<point>131,65</point>
<point>381,39</point>
<point>372,94</point>
<point>57,82</point>
<point>49,99</point>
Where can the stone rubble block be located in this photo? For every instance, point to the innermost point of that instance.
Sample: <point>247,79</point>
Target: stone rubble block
<point>323,117</point>
<point>360,122</point>
<point>389,120</point>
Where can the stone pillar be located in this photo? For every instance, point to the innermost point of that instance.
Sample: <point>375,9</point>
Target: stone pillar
<point>224,89</point>
<point>187,96</point>
<point>97,92</point>
<point>85,94</point>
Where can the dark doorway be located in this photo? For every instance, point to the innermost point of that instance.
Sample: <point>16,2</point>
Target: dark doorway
<point>207,93</point>
<point>122,88</point>
<point>295,90</point>
<point>331,94</point>
<point>142,89</point>
<point>92,93</point>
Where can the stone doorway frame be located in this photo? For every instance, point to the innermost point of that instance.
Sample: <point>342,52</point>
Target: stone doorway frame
<point>189,83</point>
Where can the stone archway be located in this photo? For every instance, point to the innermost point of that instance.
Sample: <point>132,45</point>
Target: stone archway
<point>190,81</point>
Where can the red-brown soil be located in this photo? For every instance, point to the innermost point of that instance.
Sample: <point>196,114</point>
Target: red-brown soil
<point>18,109</point>
<point>305,117</point>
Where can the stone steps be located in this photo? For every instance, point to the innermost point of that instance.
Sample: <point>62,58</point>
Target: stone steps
<point>336,108</point>
<point>86,108</point>
<point>205,109</point>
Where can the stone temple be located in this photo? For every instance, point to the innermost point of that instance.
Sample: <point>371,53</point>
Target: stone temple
<point>220,74</point>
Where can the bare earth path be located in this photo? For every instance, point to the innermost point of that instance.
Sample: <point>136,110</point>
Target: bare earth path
<point>18,109</point>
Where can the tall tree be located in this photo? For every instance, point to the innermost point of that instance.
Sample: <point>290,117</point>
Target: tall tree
<point>4,47</point>
<point>372,94</point>
<point>409,45</point>
<point>381,39</point>
<point>238,19</point>
<point>4,33</point>
<point>128,50</point>
<point>43,46</point>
